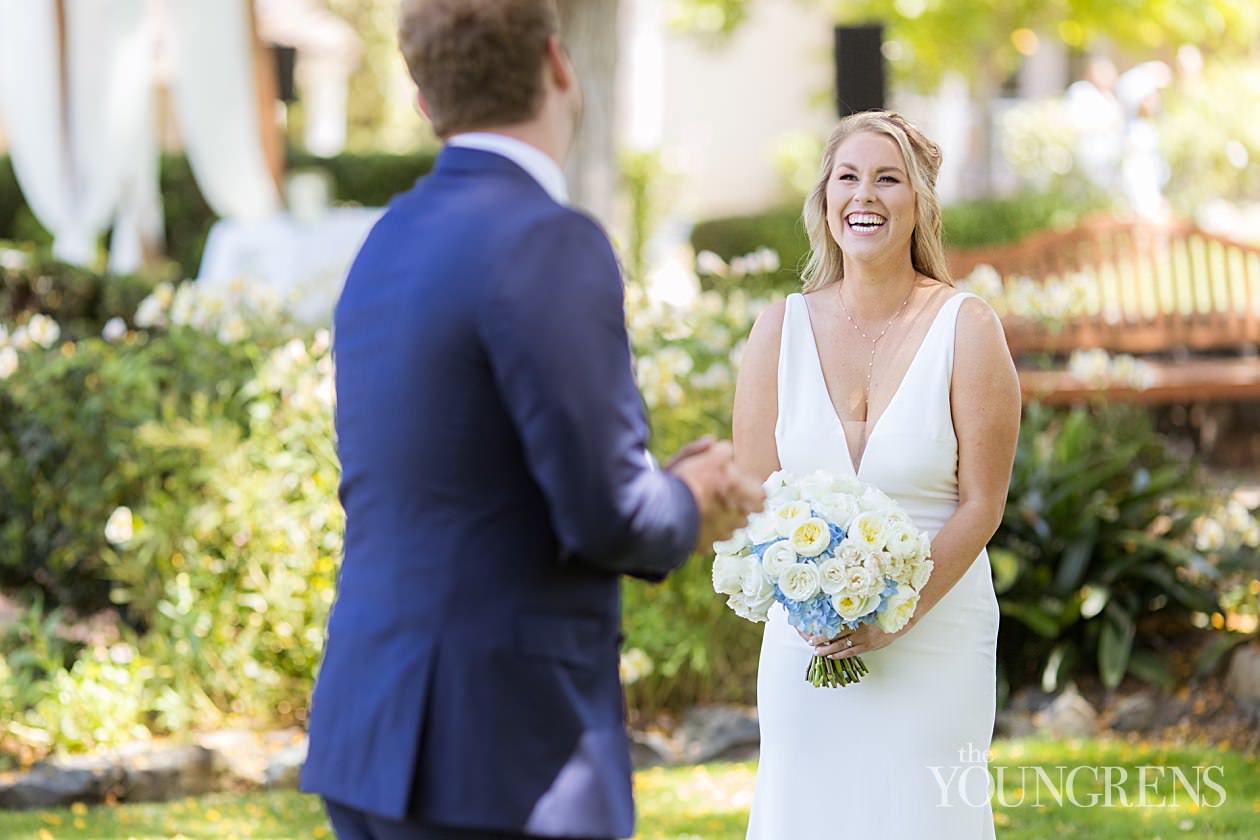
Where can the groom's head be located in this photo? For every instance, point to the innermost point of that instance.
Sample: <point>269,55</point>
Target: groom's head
<point>485,64</point>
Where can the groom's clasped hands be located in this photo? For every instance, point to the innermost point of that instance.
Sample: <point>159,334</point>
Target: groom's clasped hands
<point>725,494</point>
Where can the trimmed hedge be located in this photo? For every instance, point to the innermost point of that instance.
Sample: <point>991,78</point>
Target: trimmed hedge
<point>370,180</point>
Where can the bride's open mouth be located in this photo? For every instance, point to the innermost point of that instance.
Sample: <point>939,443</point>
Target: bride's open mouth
<point>864,222</point>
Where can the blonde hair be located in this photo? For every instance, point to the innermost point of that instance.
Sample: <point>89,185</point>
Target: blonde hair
<point>923,162</point>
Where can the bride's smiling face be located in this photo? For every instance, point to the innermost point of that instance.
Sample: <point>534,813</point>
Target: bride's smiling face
<point>870,203</point>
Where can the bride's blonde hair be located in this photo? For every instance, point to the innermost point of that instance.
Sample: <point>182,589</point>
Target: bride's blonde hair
<point>923,163</point>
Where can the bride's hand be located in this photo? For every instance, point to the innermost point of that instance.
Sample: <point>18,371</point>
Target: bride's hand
<point>850,643</point>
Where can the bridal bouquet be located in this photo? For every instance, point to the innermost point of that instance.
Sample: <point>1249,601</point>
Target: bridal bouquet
<point>836,553</point>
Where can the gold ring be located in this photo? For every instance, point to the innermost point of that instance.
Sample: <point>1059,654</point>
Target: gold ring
<point>848,643</point>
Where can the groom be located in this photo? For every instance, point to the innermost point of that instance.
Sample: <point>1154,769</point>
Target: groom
<point>495,477</point>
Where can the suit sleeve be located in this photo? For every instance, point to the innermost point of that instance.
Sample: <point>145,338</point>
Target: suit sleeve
<point>554,330</point>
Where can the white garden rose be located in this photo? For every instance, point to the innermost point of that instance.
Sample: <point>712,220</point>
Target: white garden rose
<point>860,581</point>
<point>851,606</point>
<point>869,531</point>
<point>897,609</point>
<point>815,485</point>
<point>758,592</point>
<point>811,537</point>
<point>739,604</point>
<point>838,508</point>
<point>903,538</point>
<point>774,482</point>
<point>873,498</point>
<point>832,575</point>
<point>801,582</point>
<point>847,484</point>
<point>788,515</point>
<point>895,566</point>
<point>762,528</point>
<point>777,559</point>
<point>737,542</point>
<point>922,571</point>
<point>728,573</point>
<point>755,584</point>
<point>925,545</point>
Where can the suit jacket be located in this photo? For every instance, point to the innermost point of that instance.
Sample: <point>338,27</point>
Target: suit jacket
<point>496,485</point>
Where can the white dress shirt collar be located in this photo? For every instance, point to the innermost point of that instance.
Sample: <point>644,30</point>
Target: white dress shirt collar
<point>541,168</point>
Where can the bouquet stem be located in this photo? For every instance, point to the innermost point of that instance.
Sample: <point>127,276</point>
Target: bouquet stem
<point>835,673</point>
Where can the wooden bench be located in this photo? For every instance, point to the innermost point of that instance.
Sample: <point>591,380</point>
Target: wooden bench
<point>1185,302</point>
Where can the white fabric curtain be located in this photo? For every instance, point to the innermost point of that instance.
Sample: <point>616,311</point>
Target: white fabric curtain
<point>30,73</point>
<point>74,141</point>
<point>212,86</point>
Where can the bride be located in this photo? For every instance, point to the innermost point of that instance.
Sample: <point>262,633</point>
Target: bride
<point>882,370</point>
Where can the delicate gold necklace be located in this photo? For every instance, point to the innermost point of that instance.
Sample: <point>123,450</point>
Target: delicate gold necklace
<point>870,365</point>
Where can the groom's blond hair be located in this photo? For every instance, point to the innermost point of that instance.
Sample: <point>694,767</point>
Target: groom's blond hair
<point>477,63</point>
<point>923,163</point>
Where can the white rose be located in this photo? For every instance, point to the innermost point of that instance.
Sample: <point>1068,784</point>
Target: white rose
<point>811,537</point>
<point>777,559</point>
<point>859,580</point>
<point>762,528</point>
<point>869,530</point>
<point>801,582</point>
<point>925,545</point>
<point>851,606</point>
<point>8,362</point>
<point>788,515</point>
<point>873,498</point>
<point>758,591</point>
<point>897,609</point>
<point>903,538</point>
<point>737,542</point>
<point>120,527</point>
<point>115,329</point>
<point>895,566</point>
<point>832,575</point>
<point>815,485</point>
<point>922,571</point>
<point>839,508</point>
<point>728,573</point>
<point>847,484</point>
<point>775,482</point>
<point>747,611</point>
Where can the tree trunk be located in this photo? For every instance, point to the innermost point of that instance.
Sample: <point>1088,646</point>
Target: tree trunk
<point>589,32</point>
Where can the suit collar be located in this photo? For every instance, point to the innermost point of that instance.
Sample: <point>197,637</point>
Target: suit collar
<point>492,150</point>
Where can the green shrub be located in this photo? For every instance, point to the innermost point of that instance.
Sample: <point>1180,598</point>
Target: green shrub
<point>1102,537</point>
<point>81,300</point>
<point>779,229</point>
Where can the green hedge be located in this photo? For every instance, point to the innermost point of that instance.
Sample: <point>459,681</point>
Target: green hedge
<point>369,180</point>
<point>79,299</point>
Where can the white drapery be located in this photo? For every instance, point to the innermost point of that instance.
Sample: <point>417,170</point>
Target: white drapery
<point>84,145</point>
<point>73,139</point>
<point>212,86</point>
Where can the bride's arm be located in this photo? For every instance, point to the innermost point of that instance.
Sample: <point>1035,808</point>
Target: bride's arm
<point>757,396</point>
<point>985,401</point>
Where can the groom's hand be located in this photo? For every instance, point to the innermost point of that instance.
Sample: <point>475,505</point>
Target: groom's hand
<point>724,493</point>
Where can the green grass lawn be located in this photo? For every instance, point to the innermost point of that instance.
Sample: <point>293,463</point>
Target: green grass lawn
<point>711,802</point>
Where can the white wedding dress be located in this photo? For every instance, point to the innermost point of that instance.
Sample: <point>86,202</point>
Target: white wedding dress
<point>856,762</point>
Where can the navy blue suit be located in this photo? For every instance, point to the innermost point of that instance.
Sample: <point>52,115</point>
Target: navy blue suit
<point>496,485</point>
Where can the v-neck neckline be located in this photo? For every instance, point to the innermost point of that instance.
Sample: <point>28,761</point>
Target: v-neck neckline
<point>878,422</point>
